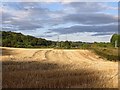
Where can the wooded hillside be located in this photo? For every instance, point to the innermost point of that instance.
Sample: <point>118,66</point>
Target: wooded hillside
<point>12,39</point>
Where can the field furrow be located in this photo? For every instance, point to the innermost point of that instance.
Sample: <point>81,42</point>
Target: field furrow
<point>53,68</point>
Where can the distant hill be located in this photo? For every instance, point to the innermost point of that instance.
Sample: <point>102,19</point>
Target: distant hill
<point>12,39</point>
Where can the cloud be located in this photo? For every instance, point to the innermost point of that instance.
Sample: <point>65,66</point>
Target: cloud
<point>24,18</point>
<point>103,34</point>
<point>47,36</point>
<point>72,18</point>
<point>79,29</point>
<point>86,7</point>
<point>22,25</point>
<point>62,1</point>
<point>100,18</point>
<point>46,1</point>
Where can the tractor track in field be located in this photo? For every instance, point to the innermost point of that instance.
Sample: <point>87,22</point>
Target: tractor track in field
<point>74,60</point>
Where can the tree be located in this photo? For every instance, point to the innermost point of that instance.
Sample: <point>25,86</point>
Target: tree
<point>115,38</point>
<point>67,44</point>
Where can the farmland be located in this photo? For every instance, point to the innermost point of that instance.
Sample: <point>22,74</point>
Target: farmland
<point>57,68</point>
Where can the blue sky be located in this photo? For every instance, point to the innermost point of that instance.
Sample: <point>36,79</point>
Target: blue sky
<point>80,21</point>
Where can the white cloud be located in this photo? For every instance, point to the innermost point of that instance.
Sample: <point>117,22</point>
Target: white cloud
<point>31,17</point>
<point>62,1</point>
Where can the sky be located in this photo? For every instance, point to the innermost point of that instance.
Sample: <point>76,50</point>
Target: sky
<point>73,21</point>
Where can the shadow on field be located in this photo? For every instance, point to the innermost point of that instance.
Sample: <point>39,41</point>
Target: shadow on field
<point>46,75</point>
<point>11,66</point>
<point>6,52</point>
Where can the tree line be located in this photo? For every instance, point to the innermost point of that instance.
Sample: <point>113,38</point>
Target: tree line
<point>13,39</point>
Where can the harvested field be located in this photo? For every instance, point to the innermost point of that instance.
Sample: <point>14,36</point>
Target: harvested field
<point>53,68</point>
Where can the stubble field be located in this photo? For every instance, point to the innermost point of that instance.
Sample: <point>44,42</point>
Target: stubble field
<point>55,68</point>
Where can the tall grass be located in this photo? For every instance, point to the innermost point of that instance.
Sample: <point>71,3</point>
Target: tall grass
<point>108,53</point>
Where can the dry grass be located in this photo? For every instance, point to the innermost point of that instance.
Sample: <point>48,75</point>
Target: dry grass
<point>49,68</point>
<point>41,75</point>
<point>108,53</point>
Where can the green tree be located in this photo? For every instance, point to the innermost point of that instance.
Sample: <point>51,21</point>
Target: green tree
<point>115,38</point>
